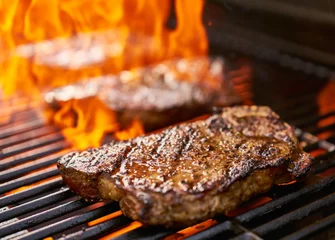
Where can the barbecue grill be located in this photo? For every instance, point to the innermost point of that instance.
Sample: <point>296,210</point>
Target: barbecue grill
<point>35,204</point>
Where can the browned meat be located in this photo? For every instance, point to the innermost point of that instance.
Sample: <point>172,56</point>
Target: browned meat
<point>192,171</point>
<point>159,95</point>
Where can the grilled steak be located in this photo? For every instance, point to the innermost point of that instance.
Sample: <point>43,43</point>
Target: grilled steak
<point>192,171</point>
<point>159,95</point>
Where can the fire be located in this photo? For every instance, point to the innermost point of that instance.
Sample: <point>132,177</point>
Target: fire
<point>122,34</point>
<point>135,129</point>
<point>58,42</point>
<point>84,130</point>
<point>88,130</point>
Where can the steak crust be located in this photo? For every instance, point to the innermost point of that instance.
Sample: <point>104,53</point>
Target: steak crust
<point>192,171</point>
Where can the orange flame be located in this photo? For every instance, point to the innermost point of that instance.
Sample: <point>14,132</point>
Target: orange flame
<point>40,38</point>
<point>84,130</point>
<point>54,43</point>
<point>85,122</point>
<point>135,129</point>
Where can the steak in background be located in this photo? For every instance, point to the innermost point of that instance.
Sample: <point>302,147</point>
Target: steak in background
<point>192,171</point>
<point>159,95</point>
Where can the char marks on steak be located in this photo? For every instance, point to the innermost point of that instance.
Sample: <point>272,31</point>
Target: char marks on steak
<point>192,171</point>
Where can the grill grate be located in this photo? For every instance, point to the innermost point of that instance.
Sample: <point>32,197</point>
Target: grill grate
<point>34,203</point>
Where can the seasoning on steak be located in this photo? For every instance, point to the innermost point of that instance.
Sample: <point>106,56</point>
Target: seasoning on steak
<point>192,171</point>
<point>159,95</point>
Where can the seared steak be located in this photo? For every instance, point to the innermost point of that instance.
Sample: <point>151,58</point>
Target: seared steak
<point>192,171</point>
<point>158,95</point>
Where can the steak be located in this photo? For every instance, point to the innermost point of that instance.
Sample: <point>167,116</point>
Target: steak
<point>192,171</point>
<point>159,95</point>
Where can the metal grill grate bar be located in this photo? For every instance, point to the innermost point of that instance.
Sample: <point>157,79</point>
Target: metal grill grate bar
<point>90,233</point>
<point>71,222</point>
<point>269,207</point>
<point>18,109</point>
<point>31,144</point>
<point>36,204</point>
<point>313,119</point>
<point>41,157</point>
<point>18,118</point>
<point>286,199</point>
<point>313,228</point>
<point>19,104</point>
<point>302,212</point>
<point>41,217</point>
<point>143,233</point>
<point>25,180</point>
<point>323,157</point>
<point>323,166</point>
<point>8,131</point>
<point>33,154</point>
<point>11,199</point>
<point>318,130</point>
<point>292,102</point>
<point>302,111</point>
<point>25,168</point>
<point>225,227</point>
<point>45,130</point>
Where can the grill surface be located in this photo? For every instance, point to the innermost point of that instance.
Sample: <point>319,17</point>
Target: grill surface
<point>34,203</point>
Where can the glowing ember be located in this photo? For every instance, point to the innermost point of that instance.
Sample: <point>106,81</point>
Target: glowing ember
<point>104,218</point>
<point>124,230</point>
<point>182,234</point>
<point>326,105</point>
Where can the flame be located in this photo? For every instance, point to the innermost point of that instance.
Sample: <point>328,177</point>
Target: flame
<point>58,42</point>
<point>85,130</point>
<point>38,37</point>
<point>135,129</point>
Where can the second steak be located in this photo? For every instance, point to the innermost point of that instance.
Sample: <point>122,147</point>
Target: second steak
<point>158,95</point>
